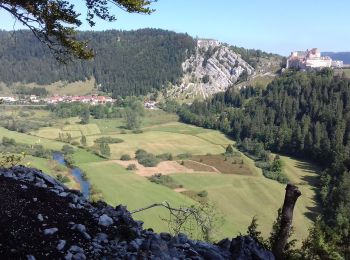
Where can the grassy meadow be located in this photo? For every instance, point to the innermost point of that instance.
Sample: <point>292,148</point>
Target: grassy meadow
<point>238,196</point>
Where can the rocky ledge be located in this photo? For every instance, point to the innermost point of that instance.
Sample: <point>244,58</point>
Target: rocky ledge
<point>41,218</point>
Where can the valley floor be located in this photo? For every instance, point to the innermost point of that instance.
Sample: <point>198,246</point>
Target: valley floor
<point>235,186</point>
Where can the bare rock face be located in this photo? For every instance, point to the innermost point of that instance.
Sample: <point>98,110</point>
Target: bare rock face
<point>37,223</point>
<point>213,68</point>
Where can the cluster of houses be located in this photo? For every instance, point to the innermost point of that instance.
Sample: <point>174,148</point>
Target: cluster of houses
<point>33,99</point>
<point>92,100</point>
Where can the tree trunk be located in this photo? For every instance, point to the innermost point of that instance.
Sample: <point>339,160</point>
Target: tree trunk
<point>291,196</point>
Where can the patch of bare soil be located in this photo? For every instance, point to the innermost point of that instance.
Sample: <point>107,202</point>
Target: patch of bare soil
<point>180,189</point>
<point>200,167</point>
<point>165,168</point>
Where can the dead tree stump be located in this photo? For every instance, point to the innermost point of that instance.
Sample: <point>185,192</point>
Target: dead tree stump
<point>290,198</point>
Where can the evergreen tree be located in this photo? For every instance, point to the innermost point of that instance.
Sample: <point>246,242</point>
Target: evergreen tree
<point>132,118</point>
<point>83,140</point>
<point>303,114</point>
<point>105,150</point>
<point>254,233</point>
<point>229,149</point>
<point>85,116</point>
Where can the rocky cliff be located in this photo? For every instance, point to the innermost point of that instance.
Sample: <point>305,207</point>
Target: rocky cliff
<point>41,219</point>
<point>213,68</point>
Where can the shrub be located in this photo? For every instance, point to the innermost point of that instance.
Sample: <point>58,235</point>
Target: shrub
<point>125,157</point>
<point>137,131</point>
<point>8,141</point>
<point>202,194</point>
<point>140,153</point>
<point>278,176</point>
<point>165,157</point>
<point>59,167</point>
<point>69,160</point>
<point>146,159</point>
<point>108,140</point>
<point>67,149</point>
<point>229,150</point>
<point>149,161</point>
<point>262,164</point>
<point>184,156</point>
<point>205,79</point>
<point>165,180</point>
<point>61,178</point>
<point>131,167</point>
<point>105,150</point>
<point>24,113</point>
<point>95,194</point>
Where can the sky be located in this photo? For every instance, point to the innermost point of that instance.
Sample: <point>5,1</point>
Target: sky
<point>270,25</point>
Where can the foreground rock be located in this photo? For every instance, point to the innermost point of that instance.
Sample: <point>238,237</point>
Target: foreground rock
<point>36,223</point>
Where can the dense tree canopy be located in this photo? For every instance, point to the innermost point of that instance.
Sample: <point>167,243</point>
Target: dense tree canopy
<point>54,22</point>
<point>301,114</point>
<point>126,63</point>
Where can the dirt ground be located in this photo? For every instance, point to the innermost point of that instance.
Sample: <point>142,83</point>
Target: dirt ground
<point>165,168</point>
<point>180,190</point>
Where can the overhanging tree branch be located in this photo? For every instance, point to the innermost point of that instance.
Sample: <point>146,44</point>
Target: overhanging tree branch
<point>54,22</point>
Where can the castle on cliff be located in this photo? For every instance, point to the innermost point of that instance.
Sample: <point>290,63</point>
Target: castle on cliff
<point>310,59</point>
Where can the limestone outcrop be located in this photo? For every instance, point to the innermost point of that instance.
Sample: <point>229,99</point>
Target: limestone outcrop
<point>213,68</point>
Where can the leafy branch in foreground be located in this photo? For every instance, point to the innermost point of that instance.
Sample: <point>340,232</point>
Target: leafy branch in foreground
<point>54,22</point>
<point>200,220</point>
<point>10,160</point>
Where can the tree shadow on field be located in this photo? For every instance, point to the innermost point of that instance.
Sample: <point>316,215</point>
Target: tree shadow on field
<point>312,213</point>
<point>307,167</point>
<point>311,180</point>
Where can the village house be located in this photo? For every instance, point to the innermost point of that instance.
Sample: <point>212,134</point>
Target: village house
<point>8,99</point>
<point>150,105</point>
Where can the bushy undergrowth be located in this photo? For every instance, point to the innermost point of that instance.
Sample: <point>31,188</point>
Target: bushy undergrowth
<point>146,159</point>
<point>125,157</point>
<point>11,146</point>
<point>165,180</point>
<point>109,140</point>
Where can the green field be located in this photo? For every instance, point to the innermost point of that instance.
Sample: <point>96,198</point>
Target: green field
<point>158,142</point>
<point>237,197</point>
<point>120,186</point>
<point>161,134</point>
<point>31,139</point>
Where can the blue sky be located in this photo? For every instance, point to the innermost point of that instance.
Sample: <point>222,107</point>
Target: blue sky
<point>270,25</point>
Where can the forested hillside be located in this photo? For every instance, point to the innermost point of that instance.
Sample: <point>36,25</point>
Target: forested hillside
<point>125,63</point>
<point>301,114</point>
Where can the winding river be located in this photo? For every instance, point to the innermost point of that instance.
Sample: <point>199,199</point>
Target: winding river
<point>76,173</point>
